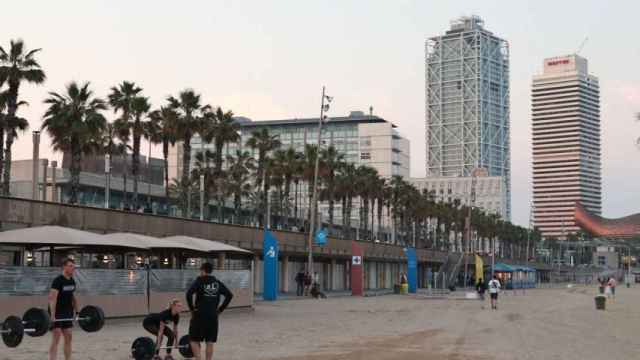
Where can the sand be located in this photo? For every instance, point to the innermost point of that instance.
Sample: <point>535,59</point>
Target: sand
<point>543,324</point>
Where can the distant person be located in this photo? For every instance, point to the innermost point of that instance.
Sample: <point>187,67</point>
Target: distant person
<point>62,305</point>
<point>316,278</point>
<point>204,313</point>
<point>316,293</point>
<point>300,283</point>
<point>481,288</point>
<point>494,289</point>
<point>611,284</point>
<point>158,325</point>
<point>307,283</point>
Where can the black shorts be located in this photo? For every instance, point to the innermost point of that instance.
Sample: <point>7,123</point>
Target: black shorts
<point>494,296</point>
<point>63,324</point>
<point>203,329</point>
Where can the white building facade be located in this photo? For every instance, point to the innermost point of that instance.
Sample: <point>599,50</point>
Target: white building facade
<point>467,109</point>
<point>490,191</point>
<point>566,144</point>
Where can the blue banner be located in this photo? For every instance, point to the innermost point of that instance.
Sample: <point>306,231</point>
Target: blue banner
<point>321,237</point>
<point>270,256</point>
<point>412,269</point>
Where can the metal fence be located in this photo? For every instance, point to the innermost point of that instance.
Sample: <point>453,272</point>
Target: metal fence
<point>29,281</point>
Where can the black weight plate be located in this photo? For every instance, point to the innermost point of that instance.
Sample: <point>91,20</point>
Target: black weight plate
<point>38,320</point>
<point>185,347</point>
<point>12,331</point>
<point>143,348</point>
<point>91,318</point>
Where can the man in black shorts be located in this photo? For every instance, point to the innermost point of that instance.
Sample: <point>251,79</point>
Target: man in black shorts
<point>204,315</point>
<point>62,305</point>
<point>158,325</point>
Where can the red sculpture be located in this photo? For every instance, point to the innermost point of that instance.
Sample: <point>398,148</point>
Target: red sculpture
<point>624,227</point>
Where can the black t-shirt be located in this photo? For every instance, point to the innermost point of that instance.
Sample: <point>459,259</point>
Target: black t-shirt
<point>66,288</point>
<point>208,290</point>
<point>166,317</point>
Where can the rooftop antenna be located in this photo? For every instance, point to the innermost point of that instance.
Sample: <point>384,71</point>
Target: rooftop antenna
<point>582,45</point>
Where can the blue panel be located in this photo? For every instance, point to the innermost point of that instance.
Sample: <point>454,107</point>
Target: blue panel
<point>412,270</point>
<point>270,256</point>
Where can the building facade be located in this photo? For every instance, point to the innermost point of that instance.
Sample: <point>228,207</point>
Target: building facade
<point>362,139</point>
<point>566,144</point>
<point>467,109</point>
<point>490,191</point>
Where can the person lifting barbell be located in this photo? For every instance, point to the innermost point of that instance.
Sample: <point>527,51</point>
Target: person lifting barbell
<point>62,305</point>
<point>144,348</point>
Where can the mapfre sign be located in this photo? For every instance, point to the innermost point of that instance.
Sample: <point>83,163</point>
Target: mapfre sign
<point>558,62</point>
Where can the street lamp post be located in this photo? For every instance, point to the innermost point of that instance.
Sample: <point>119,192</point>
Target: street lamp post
<point>201,197</point>
<point>36,162</point>
<point>312,220</point>
<point>54,191</point>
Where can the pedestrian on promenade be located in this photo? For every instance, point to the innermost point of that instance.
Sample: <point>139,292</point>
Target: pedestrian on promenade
<point>300,283</point>
<point>316,279</point>
<point>494,289</point>
<point>204,313</point>
<point>481,288</point>
<point>62,305</point>
<point>612,285</point>
<point>307,283</point>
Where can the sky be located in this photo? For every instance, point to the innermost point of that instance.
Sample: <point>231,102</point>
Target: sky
<point>269,60</point>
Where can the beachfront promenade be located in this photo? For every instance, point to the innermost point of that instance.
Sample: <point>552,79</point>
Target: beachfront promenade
<point>556,323</point>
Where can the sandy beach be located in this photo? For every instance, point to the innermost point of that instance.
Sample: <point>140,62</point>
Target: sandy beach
<point>542,324</point>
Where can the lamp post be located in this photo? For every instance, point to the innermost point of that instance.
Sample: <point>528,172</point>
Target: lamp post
<point>312,220</point>
<point>36,163</point>
<point>532,209</point>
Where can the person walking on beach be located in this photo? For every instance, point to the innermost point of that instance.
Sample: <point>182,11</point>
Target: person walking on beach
<point>204,313</point>
<point>612,284</point>
<point>62,305</point>
<point>307,283</point>
<point>299,283</point>
<point>494,289</point>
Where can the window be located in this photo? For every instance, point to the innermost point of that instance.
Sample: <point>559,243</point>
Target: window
<point>365,141</point>
<point>602,260</point>
<point>365,156</point>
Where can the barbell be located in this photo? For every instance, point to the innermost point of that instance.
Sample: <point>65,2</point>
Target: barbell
<point>36,322</point>
<point>144,348</point>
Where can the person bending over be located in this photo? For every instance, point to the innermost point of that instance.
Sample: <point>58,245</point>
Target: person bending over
<point>158,325</point>
<point>204,313</point>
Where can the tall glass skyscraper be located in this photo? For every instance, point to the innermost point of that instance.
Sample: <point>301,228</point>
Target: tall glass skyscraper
<point>467,109</point>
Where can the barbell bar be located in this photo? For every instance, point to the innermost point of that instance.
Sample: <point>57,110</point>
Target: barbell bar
<point>144,348</point>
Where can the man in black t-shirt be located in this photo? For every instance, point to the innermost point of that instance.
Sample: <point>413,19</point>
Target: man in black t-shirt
<point>158,325</point>
<point>62,305</point>
<point>204,315</point>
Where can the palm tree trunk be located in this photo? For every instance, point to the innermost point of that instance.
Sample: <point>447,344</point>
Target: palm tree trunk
<point>165,154</point>
<point>135,169</point>
<point>7,164</point>
<point>125,200</point>
<point>186,164</point>
<point>76,158</point>
<point>1,156</point>
<point>295,204</point>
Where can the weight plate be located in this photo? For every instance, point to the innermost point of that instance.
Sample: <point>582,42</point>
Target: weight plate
<point>143,348</point>
<point>12,331</point>
<point>91,318</point>
<point>185,347</point>
<point>38,320</point>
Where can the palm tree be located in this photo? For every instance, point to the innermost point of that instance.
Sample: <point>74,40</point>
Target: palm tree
<point>121,128</point>
<point>107,142</point>
<point>308,166</point>
<point>264,143</point>
<point>346,189</point>
<point>16,66</point>
<point>287,166</point>
<point>237,182</point>
<point>12,126</point>
<point>332,160</point>
<point>187,106</point>
<point>225,130</point>
<point>126,99</point>
<point>161,129</point>
<point>3,106</point>
<point>74,122</point>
